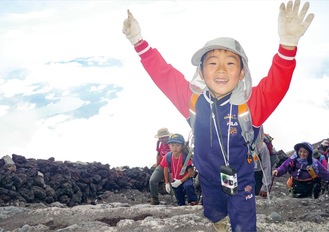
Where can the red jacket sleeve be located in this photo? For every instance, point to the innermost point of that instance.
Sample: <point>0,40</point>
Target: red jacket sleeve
<point>169,80</point>
<point>267,95</point>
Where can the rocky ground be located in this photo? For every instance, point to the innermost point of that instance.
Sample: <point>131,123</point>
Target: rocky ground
<point>130,210</point>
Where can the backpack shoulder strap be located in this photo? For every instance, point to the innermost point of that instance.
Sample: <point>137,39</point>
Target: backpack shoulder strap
<point>254,143</point>
<point>311,171</point>
<point>192,104</point>
<point>244,118</point>
<point>191,122</point>
<point>187,157</point>
<point>168,158</point>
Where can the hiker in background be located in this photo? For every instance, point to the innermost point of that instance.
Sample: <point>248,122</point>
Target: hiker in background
<point>223,82</point>
<point>162,149</point>
<point>263,171</point>
<point>324,149</point>
<point>272,151</point>
<point>323,185</point>
<point>173,164</point>
<point>305,171</point>
<point>317,155</point>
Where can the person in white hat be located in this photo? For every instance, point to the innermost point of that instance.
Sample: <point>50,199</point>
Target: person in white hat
<point>223,80</point>
<point>162,149</point>
<point>324,148</point>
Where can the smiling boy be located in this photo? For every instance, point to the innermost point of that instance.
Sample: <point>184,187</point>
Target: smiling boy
<point>223,80</point>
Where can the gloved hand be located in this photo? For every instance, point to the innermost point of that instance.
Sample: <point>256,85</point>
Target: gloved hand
<point>263,194</point>
<point>176,183</point>
<point>291,25</point>
<point>132,29</point>
<point>167,187</point>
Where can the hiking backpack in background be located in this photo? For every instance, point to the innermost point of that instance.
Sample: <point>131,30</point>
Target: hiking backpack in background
<point>268,141</point>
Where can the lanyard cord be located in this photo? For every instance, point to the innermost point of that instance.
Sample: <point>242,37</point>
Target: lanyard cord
<point>175,170</point>
<point>226,155</point>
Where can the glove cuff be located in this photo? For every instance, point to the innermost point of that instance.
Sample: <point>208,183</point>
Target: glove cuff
<point>289,41</point>
<point>287,55</point>
<point>135,39</point>
<point>142,48</point>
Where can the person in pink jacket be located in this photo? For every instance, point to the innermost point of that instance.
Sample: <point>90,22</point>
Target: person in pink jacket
<point>223,80</point>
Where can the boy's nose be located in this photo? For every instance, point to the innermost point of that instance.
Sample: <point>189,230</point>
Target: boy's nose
<point>220,69</point>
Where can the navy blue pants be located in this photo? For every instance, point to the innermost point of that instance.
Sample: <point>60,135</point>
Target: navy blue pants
<point>241,207</point>
<point>187,188</point>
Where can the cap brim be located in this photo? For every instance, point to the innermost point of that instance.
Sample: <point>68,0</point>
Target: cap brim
<point>175,141</point>
<point>196,58</point>
<point>157,136</point>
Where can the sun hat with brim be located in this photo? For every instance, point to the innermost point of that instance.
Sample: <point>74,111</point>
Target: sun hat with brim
<point>242,91</point>
<point>176,138</point>
<point>163,132</point>
<point>308,147</point>
<point>325,143</point>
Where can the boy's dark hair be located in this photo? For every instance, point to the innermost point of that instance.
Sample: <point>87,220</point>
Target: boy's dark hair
<point>204,55</point>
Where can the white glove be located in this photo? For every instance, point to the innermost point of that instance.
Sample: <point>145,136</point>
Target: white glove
<point>132,29</point>
<point>291,25</point>
<point>168,188</point>
<point>176,183</point>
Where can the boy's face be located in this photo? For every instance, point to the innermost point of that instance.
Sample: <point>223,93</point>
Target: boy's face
<point>175,148</point>
<point>221,72</point>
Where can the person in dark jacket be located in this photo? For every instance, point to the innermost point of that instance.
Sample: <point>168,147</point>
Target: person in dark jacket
<point>306,171</point>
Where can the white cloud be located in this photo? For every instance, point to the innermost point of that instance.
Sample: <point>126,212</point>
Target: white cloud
<point>122,132</point>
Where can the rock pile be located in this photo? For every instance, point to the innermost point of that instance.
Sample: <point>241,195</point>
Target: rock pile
<point>48,181</point>
<point>52,197</point>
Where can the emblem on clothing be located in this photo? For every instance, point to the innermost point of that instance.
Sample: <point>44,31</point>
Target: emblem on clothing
<point>233,131</point>
<point>248,189</point>
<point>249,196</point>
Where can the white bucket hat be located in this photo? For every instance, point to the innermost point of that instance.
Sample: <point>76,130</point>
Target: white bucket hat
<point>163,132</point>
<point>242,91</point>
<point>325,143</point>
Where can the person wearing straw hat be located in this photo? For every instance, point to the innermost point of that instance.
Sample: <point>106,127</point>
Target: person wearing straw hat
<point>223,82</point>
<point>162,149</point>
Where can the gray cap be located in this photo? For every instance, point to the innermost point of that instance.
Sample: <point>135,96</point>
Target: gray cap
<point>242,91</point>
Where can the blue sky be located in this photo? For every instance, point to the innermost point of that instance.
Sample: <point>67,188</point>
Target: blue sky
<point>72,87</point>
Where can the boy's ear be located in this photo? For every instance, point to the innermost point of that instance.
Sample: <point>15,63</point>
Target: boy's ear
<point>241,74</point>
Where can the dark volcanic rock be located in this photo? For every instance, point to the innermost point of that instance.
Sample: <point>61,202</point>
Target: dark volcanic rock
<point>48,181</point>
<point>49,195</point>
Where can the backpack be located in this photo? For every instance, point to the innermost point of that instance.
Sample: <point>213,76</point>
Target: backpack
<point>268,141</point>
<point>184,160</point>
<point>252,141</point>
<point>308,168</point>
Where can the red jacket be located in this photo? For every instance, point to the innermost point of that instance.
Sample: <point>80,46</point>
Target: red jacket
<point>265,97</point>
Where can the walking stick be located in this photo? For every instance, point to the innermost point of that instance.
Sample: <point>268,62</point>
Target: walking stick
<point>273,177</point>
